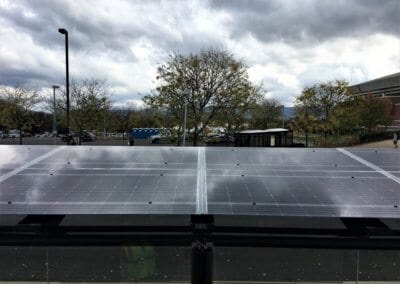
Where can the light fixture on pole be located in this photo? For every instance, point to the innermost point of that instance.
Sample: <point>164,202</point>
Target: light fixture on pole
<point>65,33</point>
<point>184,125</point>
<point>54,113</point>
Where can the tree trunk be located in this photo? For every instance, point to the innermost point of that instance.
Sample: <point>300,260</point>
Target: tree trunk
<point>178,137</point>
<point>195,136</point>
<point>229,128</point>
<point>20,136</point>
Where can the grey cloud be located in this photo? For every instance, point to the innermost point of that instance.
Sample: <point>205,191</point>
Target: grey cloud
<point>27,78</point>
<point>93,34</point>
<point>85,33</point>
<point>304,21</point>
<point>299,23</point>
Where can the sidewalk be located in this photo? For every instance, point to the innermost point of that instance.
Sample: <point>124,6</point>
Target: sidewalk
<point>379,144</point>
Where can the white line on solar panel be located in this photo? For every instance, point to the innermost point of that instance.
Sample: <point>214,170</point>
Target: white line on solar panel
<point>369,164</point>
<point>30,163</point>
<point>201,187</point>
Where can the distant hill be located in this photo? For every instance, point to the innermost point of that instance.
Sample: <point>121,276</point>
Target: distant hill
<point>288,112</point>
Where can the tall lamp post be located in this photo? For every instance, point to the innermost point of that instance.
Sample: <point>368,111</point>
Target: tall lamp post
<point>184,125</point>
<point>65,32</point>
<point>54,113</point>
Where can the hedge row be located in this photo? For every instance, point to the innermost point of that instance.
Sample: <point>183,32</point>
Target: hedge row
<point>376,136</point>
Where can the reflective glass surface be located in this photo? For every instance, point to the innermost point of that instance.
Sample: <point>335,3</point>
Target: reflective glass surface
<point>100,180</point>
<point>291,265</point>
<point>301,182</point>
<point>128,264</point>
<point>186,180</point>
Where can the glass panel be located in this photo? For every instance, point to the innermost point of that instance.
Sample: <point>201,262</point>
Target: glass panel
<point>288,265</point>
<point>376,265</point>
<point>100,180</point>
<point>95,264</point>
<point>300,182</point>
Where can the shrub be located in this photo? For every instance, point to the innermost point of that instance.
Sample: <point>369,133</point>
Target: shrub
<point>376,136</point>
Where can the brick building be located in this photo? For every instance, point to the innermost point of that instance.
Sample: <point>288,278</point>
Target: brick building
<point>388,87</point>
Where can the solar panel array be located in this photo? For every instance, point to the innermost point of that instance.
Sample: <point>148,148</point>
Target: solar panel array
<point>185,180</point>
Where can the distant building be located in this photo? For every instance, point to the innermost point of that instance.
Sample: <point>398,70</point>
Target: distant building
<point>388,87</point>
<point>274,137</point>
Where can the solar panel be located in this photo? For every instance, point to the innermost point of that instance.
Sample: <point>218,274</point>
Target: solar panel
<point>100,180</point>
<point>387,159</point>
<point>303,182</point>
<point>186,180</point>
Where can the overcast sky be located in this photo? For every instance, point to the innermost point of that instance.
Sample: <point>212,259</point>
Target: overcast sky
<point>286,44</point>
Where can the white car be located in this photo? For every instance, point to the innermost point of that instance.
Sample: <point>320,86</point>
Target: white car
<point>160,138</point>
<point>13,135</point>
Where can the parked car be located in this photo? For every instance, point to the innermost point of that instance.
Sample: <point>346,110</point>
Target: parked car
<point>14,133</point>
<point>161,138</point>
<point>87,137</point>
<point>219,139</point>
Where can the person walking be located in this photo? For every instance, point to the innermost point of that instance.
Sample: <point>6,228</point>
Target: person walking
<point>395,139</point>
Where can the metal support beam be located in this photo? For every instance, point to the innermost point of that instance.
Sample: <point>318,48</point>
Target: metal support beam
<point>202,249</point>
<point>202,263</point>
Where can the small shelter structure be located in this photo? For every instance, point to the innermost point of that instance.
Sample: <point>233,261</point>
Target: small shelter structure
<point>273,137</point>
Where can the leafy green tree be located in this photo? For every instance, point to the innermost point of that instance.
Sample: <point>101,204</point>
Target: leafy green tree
<point>205,82</point>
<point>346,116</point>
<point>374,111</point>
<point>17,104</point>
<point>89,100</point>
<point>238,111</point>
<point>90,104</point>
<point>267,113</point>
<point>172,104</point>
<point>319,102</point>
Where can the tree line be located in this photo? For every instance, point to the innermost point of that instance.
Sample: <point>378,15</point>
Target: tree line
<point>330,107</point>
<point>214,88</point>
